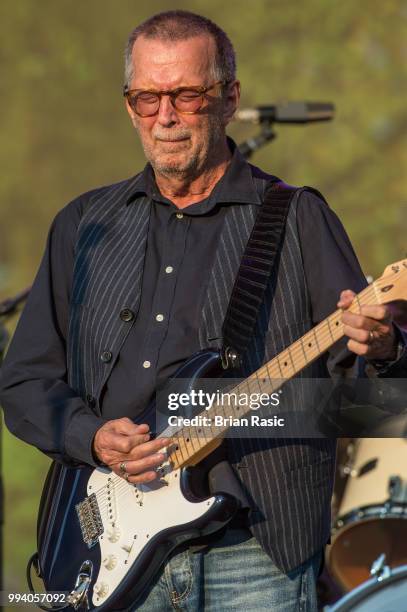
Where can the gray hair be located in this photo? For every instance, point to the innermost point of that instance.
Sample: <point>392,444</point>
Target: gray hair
<point>181,25</point>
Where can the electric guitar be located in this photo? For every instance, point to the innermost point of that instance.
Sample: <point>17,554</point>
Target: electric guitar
<point>103,539</point>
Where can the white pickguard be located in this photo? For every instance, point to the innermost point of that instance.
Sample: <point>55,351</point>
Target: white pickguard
<point>136,514</point>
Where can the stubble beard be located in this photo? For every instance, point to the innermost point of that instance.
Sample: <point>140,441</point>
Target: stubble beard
<point>193,164</point>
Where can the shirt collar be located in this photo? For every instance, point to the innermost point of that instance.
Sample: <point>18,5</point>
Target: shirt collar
<point>235,186</point>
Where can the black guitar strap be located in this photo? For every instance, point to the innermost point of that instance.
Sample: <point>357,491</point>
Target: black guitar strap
<point>255,270</point>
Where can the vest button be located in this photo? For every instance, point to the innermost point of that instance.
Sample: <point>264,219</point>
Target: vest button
<point>90,400</point>
<point>106,356</point>
<point>126,315</point>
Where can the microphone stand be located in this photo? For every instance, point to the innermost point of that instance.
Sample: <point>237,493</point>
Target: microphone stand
<point>7,308</point>
<point>251,145</point>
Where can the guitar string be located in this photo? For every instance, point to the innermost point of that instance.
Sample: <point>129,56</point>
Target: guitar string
<point>324,336</point>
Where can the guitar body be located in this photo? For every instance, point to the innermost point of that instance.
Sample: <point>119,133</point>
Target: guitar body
<point>106,539</point>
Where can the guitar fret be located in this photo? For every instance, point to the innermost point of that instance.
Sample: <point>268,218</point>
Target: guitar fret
<point>376,291</point>
<point>303,350</point>
<point>277,359</point>
<point>316,339</point>
<point>180,446</point>
<point>358,303</point>
<point>328,322</point>
<point>192,438</point>
<point>258,382</point>
<point>291,358</point>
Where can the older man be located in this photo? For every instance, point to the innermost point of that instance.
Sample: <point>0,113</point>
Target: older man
<point>137,276</point>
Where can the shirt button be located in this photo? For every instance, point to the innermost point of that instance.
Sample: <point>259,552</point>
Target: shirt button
<point>179,215</point>
<point>169,269</point>
<point>146,364</point>
<point>159,317</point>
<point>126,315</point>
<point>106,356</point>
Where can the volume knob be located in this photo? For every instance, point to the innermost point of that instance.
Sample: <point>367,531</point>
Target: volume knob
<point>101,589</point>
<point>113,534</point>
<point>110,562</point>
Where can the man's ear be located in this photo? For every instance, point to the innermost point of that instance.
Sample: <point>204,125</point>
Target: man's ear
<point>231,100</point>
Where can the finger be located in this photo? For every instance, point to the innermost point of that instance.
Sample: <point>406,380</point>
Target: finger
<point>119,443</point>
<point>379,312</point>
<point>143,478</point>
<point>364,334</point>
<point>382,347</point>
<point>147,448</point>
<point>360,321</point>
<point>359,348</point>
<point>134,468</point>
<point>127,426</point>
<point>346,298</point>
<point>360,335</point>
<point>139,451</point>
<point>112,448</point>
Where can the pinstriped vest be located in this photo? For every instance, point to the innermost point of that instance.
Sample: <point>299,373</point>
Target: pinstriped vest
<point>288,482</point>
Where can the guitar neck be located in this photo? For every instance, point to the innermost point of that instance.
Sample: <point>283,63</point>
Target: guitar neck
<point>191,444</point>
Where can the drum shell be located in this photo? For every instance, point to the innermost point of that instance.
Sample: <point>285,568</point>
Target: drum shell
<point>388,594</point>
<point>369,523</point>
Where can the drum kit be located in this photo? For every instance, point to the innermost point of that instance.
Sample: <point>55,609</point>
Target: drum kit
<point>367,556</point>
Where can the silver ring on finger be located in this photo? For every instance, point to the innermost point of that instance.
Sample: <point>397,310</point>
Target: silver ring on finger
<point>122,467</point>
<point>126,476</point>
<point>371,337</point>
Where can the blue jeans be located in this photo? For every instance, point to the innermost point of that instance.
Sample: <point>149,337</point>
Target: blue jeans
<point>235,574</point>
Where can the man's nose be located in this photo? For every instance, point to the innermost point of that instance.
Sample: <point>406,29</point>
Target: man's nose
<point>167,114</point>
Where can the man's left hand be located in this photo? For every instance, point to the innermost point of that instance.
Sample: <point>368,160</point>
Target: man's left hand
<point>371,332</point>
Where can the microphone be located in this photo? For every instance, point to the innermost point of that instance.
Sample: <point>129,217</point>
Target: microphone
<point>289,112</point>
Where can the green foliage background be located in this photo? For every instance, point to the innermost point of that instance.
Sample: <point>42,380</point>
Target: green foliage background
<point>64,131</point>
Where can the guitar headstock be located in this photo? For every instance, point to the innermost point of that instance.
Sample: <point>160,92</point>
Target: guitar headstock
<point>392,285</point>
<point>395,268</point>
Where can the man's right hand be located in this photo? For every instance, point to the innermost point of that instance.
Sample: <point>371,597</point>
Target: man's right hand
<point>121,441</point>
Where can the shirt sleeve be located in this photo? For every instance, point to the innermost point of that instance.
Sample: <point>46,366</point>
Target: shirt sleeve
<point>39,406</point>
<point>330,266</point>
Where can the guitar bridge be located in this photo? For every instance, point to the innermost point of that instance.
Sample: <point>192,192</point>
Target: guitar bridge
<point>90,520</point>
